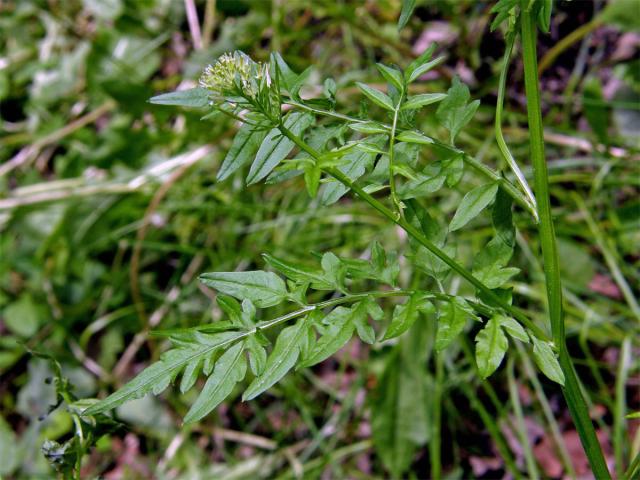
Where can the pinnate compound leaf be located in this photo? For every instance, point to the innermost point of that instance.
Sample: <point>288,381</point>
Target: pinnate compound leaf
<point>282,359</point>
<point>376,96</point>
<point>491,345</point>
<point>547,361</point>
<point>472,204</point>
<point>243,150</point>
<point>451,321</point>
<point>264,289</point>
<point>275,147</point>
<point>193,97</point>
<point>159,375</point>
<point>455,111</point>
<point>230,368</point>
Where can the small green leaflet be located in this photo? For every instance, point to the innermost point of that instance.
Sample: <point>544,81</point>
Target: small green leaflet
<point>275,147</point>
<point>454,112</point>
<point>411,136</point>
<point>405,13</point>
<point>299,273</point>
<point>547,361</point>
<point>340,327</point>
<point>282,359</point>
<point>513,328</point>
<point>194,97</point>
<point>452,318</point>
<point>423,68</point>
<point>391,75</point>
<point>159,375</point>
<point>230,368</point>
<point>472,204</point>
<point>264,289</point>
<point>368,127</point>
<point>257,355</point>
<point>376,96</point>
<point>357,162</point>
<point>491,345</point>
<point>243,149</point>
<point>404,316</point>
<point>428,181</point>
<point>489,266</point>
<point>418,101</point>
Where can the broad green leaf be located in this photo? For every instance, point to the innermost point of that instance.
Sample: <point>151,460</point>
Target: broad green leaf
<point>275,147</point>
<point>546,360</point>
<point>392,76</point>
<point>355,165</point>
<point>418,101</point>
<point>399,419</point>
<point>376,96</point>
<point>194,97</point>
<point>339,331</point>
<point>243,150</point>
<point>264,289</point>
<point>454,112</point>
<point>404,316</point>
<point>491,345</point>
<point>424,68</point>
<point>472,204</point>
<point>299,273</point>
<point>453,316</point>
<point>411,136</point>
<point>282,359</point>
<point>159,375</point>
<point>230,368</point>
<point>405,13</point>
<point>513,328</point>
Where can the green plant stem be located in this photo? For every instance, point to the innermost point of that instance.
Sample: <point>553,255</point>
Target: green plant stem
<point>502,145</point>
<point>419,237</point>
<point>392,141</point>
<point>572,392</point>
<point>509,187</point>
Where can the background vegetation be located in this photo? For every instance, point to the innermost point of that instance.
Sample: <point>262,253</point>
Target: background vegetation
<point>109,210</point>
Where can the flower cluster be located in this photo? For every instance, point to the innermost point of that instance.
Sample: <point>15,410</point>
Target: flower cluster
<point>236,74</point>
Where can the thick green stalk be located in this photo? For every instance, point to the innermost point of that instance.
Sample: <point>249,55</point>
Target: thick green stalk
<point>573,394</point>
<point>418,236</point>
